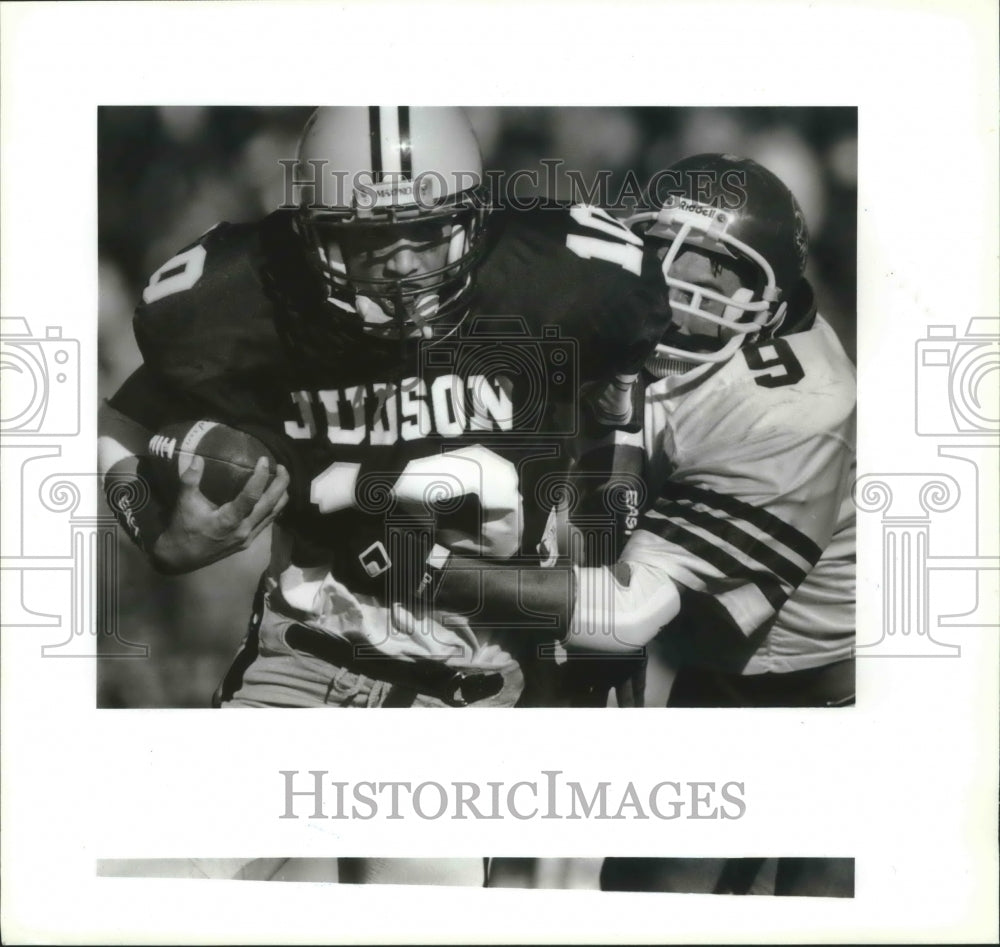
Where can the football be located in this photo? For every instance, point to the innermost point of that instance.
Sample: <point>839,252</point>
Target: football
<point>230,456</point>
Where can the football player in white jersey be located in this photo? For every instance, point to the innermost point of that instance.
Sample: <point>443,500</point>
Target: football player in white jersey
<point>740,554</point>
<point>749,441</point>
<point>750,431</point>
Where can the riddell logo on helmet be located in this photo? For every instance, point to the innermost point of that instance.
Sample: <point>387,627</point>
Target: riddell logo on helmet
<point>699,188</point>
<point>315,186</point>
<point>704,210</point>
<point>368,195</point>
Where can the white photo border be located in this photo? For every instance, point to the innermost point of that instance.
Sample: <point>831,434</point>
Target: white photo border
<point>905,782</point>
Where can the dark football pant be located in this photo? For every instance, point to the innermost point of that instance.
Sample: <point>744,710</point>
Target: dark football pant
<point>588,682</point>
<point>793,877</point>
<point>831,685</point>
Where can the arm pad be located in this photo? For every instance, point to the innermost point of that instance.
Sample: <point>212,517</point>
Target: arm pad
<point>490,591</point>
<point>614,609</point>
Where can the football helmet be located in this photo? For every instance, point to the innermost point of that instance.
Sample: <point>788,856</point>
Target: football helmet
<point>393,211</point>
<point>737,209</point>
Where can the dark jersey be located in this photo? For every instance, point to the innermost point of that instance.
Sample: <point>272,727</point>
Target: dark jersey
<point>376,434</point>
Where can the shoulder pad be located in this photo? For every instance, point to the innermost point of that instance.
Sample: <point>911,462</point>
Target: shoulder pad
<point>204,314</point>
<point>578,269</point>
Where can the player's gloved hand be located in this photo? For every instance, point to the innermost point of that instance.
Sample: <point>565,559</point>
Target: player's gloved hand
<point>199,532</point>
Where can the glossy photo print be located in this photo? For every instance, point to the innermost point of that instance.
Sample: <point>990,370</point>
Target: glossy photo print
<point>431,406</point>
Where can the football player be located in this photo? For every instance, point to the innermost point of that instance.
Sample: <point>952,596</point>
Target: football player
<point>743,553</point>
<point>415,362</point>
<point>354,335</point>
<point>742,559</point>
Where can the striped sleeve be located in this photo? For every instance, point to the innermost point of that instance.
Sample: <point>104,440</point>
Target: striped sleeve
<point>747,558</point>
<point>747,527</point>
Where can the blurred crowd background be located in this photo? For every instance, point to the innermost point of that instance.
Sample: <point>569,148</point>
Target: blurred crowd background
<point>167,174</point>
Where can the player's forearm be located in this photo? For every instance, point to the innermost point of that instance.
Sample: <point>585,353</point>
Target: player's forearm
<point>121,442</point>
<point>504,591</point>
<point>119,438</point>
<point>612,610</point>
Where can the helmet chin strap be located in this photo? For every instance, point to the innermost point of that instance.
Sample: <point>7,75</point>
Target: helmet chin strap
<point>425,310</point>
<point>775,323</point>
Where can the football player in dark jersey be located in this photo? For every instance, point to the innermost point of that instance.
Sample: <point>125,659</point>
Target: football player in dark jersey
<point>415,360</point>
<point>416,363</point>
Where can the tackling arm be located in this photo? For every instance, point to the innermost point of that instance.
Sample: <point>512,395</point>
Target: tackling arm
<point>612,609</point>
<point>605,606</point>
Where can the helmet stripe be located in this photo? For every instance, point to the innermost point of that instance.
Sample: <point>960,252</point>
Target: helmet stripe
<point>389,132</point>
<point>405,151</point>
<point>375,134</point>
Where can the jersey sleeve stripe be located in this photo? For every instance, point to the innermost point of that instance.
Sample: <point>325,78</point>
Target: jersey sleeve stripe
<point>762,519</point>
<point>732,535</point>
<point>730,567</point>
<point>766,539</point>
<point>733,569</point>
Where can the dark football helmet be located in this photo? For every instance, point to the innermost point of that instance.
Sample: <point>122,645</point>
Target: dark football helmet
<point>372,180</point>
<point>733,207</point>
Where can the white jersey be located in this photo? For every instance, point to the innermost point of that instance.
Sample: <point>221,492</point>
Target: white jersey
<point>750,466</point>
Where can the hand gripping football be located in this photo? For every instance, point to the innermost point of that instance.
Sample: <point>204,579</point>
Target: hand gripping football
<point>230,457</point>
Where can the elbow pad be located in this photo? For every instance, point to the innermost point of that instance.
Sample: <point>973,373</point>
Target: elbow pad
<point>621,608</point>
